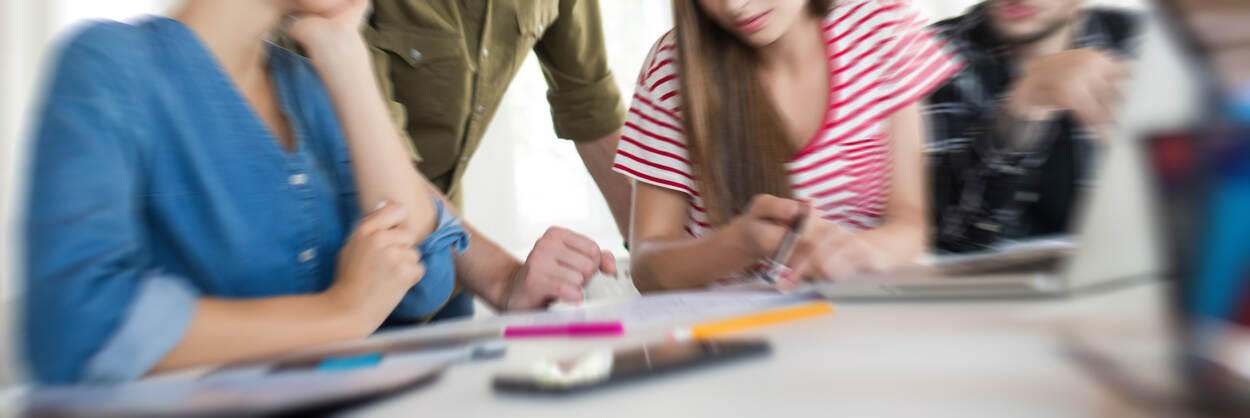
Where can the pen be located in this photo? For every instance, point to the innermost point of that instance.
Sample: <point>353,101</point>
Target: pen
<point>573,329</point>
<point>755,320</point>
<point>776,264</point>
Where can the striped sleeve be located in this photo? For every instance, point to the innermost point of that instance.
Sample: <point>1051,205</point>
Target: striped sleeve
<point>916,61</point>
<point>652,148</point>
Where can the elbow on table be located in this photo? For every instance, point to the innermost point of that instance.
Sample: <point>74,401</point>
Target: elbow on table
<point>647,278</point>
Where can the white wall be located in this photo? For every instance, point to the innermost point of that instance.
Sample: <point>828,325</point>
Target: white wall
<point>523,179</point>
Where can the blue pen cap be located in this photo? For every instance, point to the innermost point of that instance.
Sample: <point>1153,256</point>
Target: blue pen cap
<point>1240,104</point>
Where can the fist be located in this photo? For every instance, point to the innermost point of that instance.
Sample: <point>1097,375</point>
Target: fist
<point>560,264</point>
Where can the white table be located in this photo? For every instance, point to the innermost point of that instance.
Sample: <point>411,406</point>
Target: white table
<point>958,359</point>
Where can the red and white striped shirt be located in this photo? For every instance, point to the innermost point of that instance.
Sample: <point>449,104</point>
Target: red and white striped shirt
<point>881,58</point>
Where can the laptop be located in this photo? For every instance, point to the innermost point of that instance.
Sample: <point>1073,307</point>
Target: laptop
<point>1115,240</point>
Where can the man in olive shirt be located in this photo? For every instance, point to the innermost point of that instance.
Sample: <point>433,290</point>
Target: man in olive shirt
<point>446,64</point>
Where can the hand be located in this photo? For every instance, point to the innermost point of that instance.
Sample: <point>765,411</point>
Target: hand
<point>315,30</point>
<point>824,250</point>
<point>760,229</point>
<point>560,264</point>
<point>1083,81</point>
<point>827,251</point>
<point>377,266</point>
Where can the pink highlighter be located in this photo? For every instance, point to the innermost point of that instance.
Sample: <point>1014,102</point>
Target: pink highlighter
<point>573,329</point>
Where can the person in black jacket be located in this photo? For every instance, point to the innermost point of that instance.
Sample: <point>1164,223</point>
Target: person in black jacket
<point>1015,133</point>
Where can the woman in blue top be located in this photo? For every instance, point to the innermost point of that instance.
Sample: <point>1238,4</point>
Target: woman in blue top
<point>197,198</point>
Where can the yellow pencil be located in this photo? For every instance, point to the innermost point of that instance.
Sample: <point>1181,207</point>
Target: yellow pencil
<point>755,320</point>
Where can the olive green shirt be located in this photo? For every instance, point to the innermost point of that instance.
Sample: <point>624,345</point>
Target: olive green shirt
<point>446,64</point>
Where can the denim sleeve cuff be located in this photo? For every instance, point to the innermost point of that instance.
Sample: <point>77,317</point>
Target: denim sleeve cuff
<point>435,288</point>
<point>157,319</point>
<point>448,234</point>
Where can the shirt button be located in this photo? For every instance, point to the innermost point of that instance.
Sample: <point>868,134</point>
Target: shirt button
<point>540,28</point>
<point>464,160</point>
<point>485,53</point>
<point>479,110</point>
<point>415,54</point>
<point>307,255</point>
<point>298,179</point>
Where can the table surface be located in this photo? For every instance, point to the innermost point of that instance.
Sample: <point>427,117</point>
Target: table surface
<point>956,358</point>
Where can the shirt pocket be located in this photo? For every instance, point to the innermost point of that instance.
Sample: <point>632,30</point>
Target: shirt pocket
<point>431,76</point>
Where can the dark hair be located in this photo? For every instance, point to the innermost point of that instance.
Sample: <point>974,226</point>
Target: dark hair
<point>736,142</point>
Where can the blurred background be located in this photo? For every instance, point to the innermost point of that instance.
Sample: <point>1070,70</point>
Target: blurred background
<point>517,185</point>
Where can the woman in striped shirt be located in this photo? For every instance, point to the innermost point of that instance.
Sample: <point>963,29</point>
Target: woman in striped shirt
<point>748,109</point>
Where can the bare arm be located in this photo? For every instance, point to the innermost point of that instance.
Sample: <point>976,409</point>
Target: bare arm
<point>258,328</point>
<point>902,237</point>
<point>663,257</point>
<point>597,155</point>
<point>487,270</point>
<point>375,269</point>
<point>381,164</point>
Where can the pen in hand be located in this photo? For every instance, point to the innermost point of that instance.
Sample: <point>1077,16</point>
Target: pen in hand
<point>774,267</point>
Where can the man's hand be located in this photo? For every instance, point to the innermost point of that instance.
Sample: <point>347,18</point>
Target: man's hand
<point>560,264</point>
<point>1084,81</point>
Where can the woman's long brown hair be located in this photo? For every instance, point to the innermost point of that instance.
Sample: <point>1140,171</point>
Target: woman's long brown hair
<point>735,138</point>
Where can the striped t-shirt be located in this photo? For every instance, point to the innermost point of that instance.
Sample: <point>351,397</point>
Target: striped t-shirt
<point>880,59</point>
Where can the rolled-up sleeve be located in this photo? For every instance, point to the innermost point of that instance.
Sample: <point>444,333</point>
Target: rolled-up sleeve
<point>91,295</point>
<point>437,254</point>
<point>156,320</point>
<point>585,101</point>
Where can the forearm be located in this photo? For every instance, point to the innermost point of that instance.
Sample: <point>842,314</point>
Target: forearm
<point>224,331</point>
<point>678,263</point>
<point>901,242</point>
<point>487,270</point>
<point>381,165</point>
<point>597,155</point>
<point>902,236</point>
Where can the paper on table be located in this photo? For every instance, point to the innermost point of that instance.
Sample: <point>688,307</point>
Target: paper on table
<point>603,286</point>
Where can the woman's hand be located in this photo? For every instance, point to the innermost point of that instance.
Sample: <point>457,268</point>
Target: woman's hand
<point>828,251</point>
<point>758,231</point>
<point>377,266</point>
<point>316,31</point>
<point>824,250</point>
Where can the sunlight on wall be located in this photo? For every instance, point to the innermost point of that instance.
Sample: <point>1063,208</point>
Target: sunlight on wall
<point>523,179</point>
